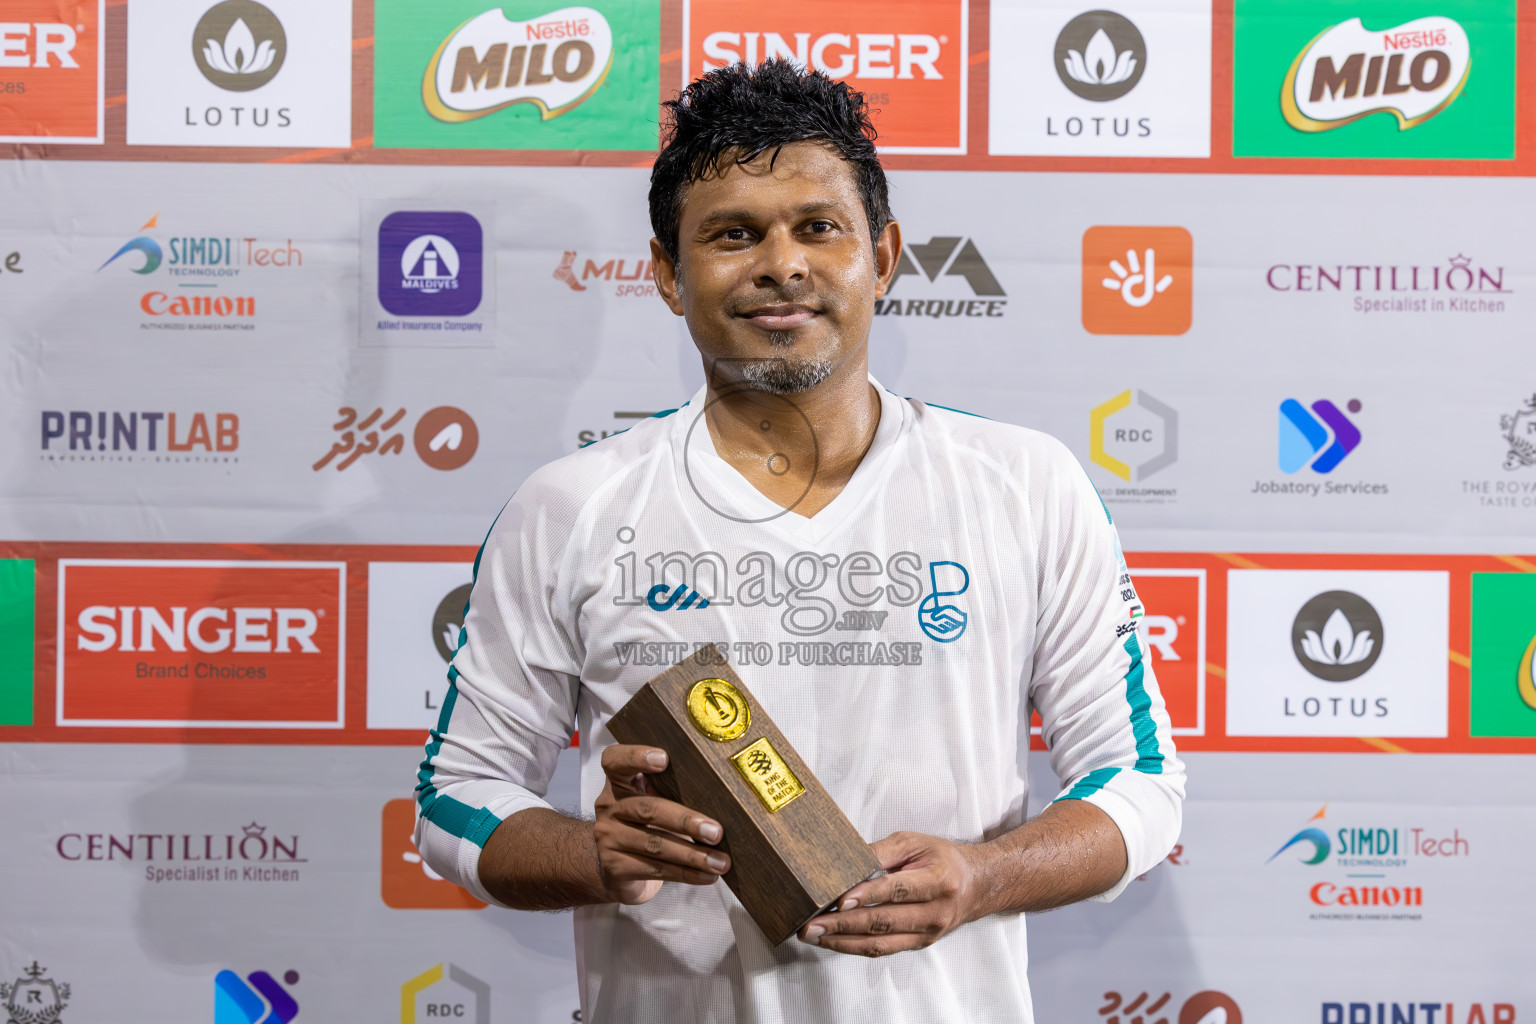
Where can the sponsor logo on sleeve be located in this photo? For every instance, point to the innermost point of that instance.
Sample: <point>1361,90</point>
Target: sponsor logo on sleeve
<point>52,71</point>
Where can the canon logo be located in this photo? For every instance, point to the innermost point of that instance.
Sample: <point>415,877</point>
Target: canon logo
<point>208,629</point>
<point>49,40</point>
<point>837,54</point>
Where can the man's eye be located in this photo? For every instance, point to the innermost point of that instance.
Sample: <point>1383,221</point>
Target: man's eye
<point>821,226</point>
<point>735,234</point>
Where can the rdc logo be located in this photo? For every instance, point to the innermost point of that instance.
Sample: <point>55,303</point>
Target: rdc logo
<point>941,620</point>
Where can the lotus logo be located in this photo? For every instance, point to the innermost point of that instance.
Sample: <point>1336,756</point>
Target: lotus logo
<point>1337,636</point>
<point>1100,56</point>
<point>239,45</point>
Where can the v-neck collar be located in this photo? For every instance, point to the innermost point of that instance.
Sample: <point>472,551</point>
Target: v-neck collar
<point>720,489</point>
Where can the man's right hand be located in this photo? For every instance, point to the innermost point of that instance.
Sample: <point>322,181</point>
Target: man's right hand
<point>643,839</point>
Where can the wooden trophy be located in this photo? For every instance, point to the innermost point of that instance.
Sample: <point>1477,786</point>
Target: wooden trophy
<point>793,852</point>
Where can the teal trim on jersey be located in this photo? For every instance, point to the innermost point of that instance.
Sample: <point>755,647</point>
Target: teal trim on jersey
<point>1149,757</point>
<point>962,412</point>
<point>459,819</point>
<point>653,416</point>
<point>1089,784</point>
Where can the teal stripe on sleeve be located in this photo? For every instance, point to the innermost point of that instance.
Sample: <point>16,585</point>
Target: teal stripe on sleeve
<point>1149,757</point>
<point>1089,784</point>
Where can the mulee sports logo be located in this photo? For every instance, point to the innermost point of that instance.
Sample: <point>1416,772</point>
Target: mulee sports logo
<point>147,643</point>
<point>554,62</point>
<point>1347,72</point>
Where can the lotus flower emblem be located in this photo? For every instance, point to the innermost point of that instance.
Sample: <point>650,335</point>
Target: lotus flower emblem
<point>239,54</point>
<point>1098,63</point>
<point>1339,644</point>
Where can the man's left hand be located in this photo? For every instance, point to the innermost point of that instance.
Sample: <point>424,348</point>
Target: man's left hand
<point>932,888</point>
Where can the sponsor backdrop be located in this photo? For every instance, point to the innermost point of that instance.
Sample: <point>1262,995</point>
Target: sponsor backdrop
<point>295,295</point>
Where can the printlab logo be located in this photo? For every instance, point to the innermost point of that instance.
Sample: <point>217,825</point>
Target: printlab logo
<point>553,62</point>
<point>637,283</point>
<point>1137,280</point>
<point>445,438</point>
<point>129,434</point>
<point>448,621</point>
<point>1100,56</point>
<point>1208,1007</point>
<point>255,999</point>
<point>1303,436</point>
<point>33,998</point>
<point>1520,434</point>
<point>407,882</point>
<point>945,256</point>
<point>430,263</point>
<point>239,45</point>
<point>447,991</point>
<point>1412,71</point>
<point>1337,636</point>
<point>1155,443</point>
<point>943,621</point>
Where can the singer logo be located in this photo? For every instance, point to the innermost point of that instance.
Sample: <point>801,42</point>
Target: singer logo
<point>51,71</point>
<point>194,643</point>
<point>908,59</point>
<point>1137,280</point>
<point>553,62</point>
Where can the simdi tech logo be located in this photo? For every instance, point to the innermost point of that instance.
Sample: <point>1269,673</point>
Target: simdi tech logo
<point>258,998</point>
<point>201,643</point>
<point>239,73</point>
<point>406,880</point>
<point>911,60</point>
<point>1375,78</point>
<point>1129,81</point>
<point>1503,700</point>
<point>1137,280</point>
<point>52,71</point>
<point>470,74</point>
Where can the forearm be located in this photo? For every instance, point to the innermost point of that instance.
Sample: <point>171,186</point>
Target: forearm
<point>1072,851</point>
<point>539,859</point>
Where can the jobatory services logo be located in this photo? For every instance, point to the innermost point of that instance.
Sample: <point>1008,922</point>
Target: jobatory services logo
<point>244,855</point>
<point>52,72</point>
<point>1312,442</point>
<point>415,619</point>
<point>18,638</point>
<point>257,998</point>
<point>1172,634</point>
<point>34,998</point>
<point>445,991</point>
<point>911,61</point>
<point>1133,436</point>
<point>445,437</point>
<point>407,882</point>
<point>240,73</point>
<point>1315,652</point>
<point>937,267</point>
<point>1129,81</point>
<point>631,277</point>
<point>1457,286</point>
<point>1376,78</point>
<point>201,643</point>
<point>1144,1007</point>
<point>1137,280</point>
<point>101,436</point>
<point>1503,699</point>
<point>468,74</point>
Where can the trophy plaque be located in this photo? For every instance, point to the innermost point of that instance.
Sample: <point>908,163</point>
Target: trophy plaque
<point>793,852</point>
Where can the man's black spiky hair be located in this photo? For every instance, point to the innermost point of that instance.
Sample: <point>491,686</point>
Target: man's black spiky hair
<point>735,114</point>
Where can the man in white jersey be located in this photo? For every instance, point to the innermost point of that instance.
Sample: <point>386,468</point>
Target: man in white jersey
<point>900,584</point>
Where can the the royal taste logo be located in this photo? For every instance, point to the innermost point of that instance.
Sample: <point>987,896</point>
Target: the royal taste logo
<point>248,854</point>
<point>443,438</point>
<point>1132,81</point>
<point>1503,701</point>
<point>34,998</point>
<point>52,71</point>
<point>1152,1007</point>
<point>909,60</point>
<point>257,998</point>
<point>84,435</point>
<point>270,73</point>
<point>1137,280</point>
<point>1460,285</point>
<point>950,278</point>
<point>1513,492</point>
<point>1134,436</point>
<point>467,74</point>
<point>445,992</point>
<point>1349,866</point>
<point>1374,78</point>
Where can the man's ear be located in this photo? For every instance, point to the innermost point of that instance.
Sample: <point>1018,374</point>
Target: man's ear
<point>887,255</point>
<point>665,272</point>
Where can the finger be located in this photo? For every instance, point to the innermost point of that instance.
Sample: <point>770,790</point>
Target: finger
<point>875,946</point>
<point>914,886</point>
<point>657,812</point>
<point>659,846</point>
<point>885,919</point>
<point>625,760</point>
<point>621,867</point>
<point>898,848</point>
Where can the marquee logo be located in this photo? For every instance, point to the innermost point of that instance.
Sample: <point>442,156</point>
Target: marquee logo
<point>446,991</point>
<point>239,45</point>
<point>490,62</point>
<point>430,263</point>
<point>407,882</point>
<point>944,257</point>
<point>1159,445</point>
<point>1100,56</point>
<point>1137,280</point>
<point>1337,636</point>
<point>146,642</point>
<point>255,999</point>
<point>1413,71</point>
<point>52,71</point>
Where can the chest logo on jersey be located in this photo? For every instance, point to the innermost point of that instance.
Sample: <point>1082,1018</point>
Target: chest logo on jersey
<point>941,618</point>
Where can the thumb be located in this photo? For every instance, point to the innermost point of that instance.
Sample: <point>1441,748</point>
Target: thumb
<point>898,849</point>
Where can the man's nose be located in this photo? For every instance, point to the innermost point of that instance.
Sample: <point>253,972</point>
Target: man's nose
<point>780,259</point>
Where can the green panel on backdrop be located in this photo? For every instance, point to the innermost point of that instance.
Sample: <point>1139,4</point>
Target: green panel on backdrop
<point>1503,643</point>
<point>1269,35</point>
<point>18,599</point>
<point>620,114</point>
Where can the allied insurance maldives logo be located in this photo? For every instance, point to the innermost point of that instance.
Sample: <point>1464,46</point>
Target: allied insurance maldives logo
<point>51,71</point>
<point>430,263</point>
<point>214,644</point>
<point>1310,80</point>
<point>910,60</point>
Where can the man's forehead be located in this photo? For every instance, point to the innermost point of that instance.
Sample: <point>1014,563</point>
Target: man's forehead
<point>775,176</point>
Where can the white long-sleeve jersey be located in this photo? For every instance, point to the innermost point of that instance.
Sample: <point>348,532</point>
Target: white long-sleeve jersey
<point>967,574</point>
